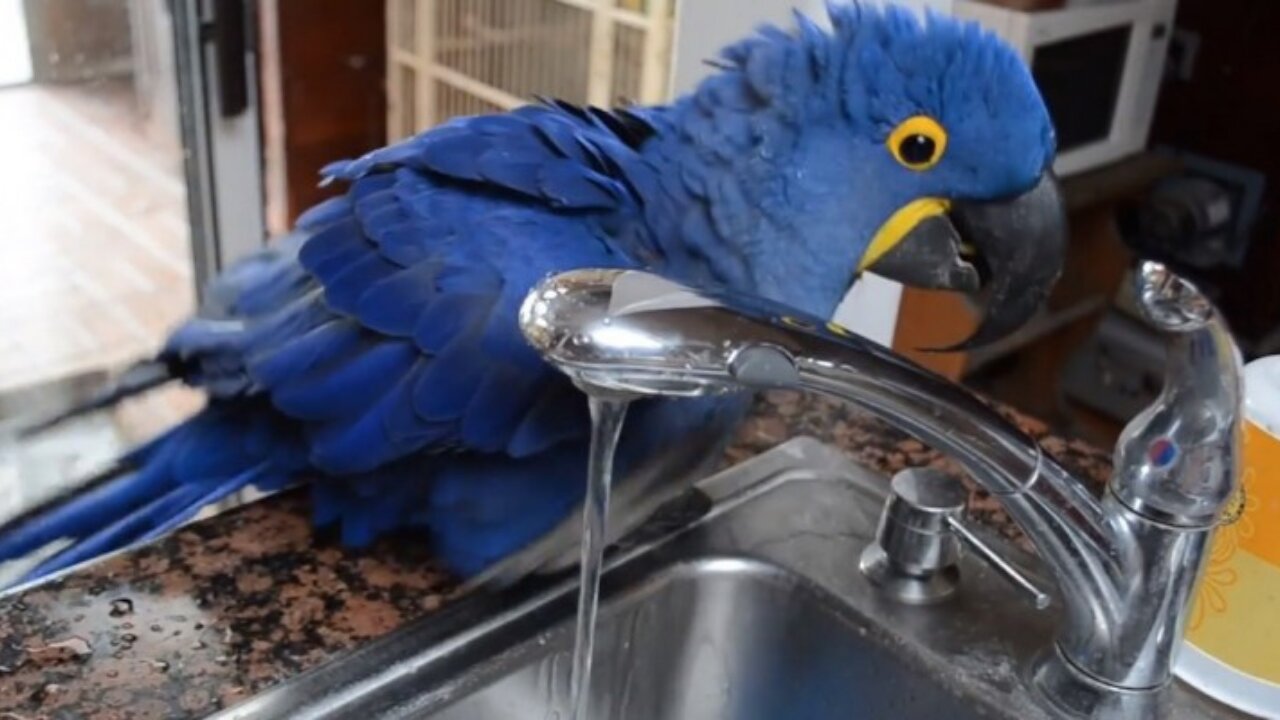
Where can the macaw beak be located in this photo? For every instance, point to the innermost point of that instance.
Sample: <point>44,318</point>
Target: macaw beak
<point>1009,252</point>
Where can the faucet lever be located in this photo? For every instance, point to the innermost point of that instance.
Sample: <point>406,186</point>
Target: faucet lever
<point>1001,566</point>
<point>1175,461</point>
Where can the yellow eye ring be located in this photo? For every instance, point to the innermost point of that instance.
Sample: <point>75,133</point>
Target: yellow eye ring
<point>918,143</point>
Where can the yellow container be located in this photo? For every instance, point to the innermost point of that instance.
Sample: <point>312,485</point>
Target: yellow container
<point>1232,651</point>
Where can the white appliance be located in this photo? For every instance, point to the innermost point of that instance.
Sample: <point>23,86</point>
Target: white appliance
<point>702,28</point>
<point>1098,64</point>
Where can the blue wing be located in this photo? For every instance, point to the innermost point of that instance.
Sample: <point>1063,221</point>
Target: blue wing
<point>376,351</point>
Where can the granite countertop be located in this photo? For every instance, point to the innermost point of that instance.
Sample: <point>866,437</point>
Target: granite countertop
<point>229,606</point>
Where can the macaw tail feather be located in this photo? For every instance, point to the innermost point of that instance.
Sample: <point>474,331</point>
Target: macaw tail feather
<point>159,486</point>
<point>139,378</point>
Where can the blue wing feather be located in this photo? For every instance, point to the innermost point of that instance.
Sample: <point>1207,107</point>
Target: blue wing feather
<point>326,212</point>
<point>347,388</point>
<point>333,247</point>
<point>448,316</point>
<point>393,306</point>
<point>447,384</point>
<point>558,415</point>
<point>497,406</point>
<point>274,365</point>
<point>403,246</point>
<point>344,289</point>
<point>119,533</point>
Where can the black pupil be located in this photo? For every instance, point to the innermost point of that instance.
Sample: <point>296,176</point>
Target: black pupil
<point>917,149</point>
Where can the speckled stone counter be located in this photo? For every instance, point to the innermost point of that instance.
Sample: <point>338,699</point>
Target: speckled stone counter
<point>232,605</point>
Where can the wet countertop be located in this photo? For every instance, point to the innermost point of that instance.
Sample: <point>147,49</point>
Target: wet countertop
<point>231,605</point>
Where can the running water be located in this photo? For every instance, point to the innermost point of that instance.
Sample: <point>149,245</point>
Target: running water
<point>607,415</point>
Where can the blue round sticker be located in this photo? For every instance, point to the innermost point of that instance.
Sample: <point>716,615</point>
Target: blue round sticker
<point>1162,452</point>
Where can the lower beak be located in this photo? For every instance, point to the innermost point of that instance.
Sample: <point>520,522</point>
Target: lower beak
<point>1011,251</point>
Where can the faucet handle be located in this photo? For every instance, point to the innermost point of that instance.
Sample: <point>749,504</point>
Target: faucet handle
<point>918,541</point>
<point>1175,462</point>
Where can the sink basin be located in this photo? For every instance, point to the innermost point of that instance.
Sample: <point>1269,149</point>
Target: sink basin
<point>751,609</point>
<point>725,638</point>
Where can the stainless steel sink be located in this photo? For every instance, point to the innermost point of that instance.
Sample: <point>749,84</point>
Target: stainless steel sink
<point>752,608</point>
<point>727,638</point>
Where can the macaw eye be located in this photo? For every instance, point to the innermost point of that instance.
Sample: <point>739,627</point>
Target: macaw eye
<point>918,142</point>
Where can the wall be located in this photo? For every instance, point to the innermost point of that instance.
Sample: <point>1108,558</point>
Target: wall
<point>705,26</point>
<point>323,76</point>
<point>1229,109</point>
<point>154,73</point>
<point>75,40</point>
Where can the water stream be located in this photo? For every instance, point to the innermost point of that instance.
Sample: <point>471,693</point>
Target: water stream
<point>607,415</point>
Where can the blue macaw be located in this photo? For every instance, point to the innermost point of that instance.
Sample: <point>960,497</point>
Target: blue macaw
<point>374,352</point>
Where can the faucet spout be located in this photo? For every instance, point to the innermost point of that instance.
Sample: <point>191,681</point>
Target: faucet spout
<point>631,332</point>
<point>626,331</point>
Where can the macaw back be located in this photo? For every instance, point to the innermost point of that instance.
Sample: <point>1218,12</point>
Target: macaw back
<point>375,355</point>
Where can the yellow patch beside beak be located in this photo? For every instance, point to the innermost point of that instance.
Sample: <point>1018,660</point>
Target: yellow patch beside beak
<point>899,225</point>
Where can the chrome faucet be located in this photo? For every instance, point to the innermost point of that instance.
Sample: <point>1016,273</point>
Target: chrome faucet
<point>1126,565</point>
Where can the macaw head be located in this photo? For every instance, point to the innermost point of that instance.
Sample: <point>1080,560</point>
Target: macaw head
<point>918,149</point>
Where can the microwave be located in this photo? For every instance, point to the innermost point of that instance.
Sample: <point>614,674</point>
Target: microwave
<point>1098,65</point>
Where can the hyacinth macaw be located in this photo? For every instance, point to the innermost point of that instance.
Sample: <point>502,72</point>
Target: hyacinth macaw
<point>374,352</point>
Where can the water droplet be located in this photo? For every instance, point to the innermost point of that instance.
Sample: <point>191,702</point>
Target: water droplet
<point>120,607</point>
<point>160,665</point>
<point>197,645</point>
<point>129,638</point>
<point>76,645</point>
<point>43,692</point>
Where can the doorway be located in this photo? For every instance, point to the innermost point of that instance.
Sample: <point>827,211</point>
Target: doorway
<point>111,130</point>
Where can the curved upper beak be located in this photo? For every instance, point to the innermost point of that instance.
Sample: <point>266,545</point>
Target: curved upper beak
<point>1010,250</point>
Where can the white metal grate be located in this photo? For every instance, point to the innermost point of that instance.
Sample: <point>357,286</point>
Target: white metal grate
<point>464,57</point>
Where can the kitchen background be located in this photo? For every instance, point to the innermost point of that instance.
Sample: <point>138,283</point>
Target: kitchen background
<point>144,144</point>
